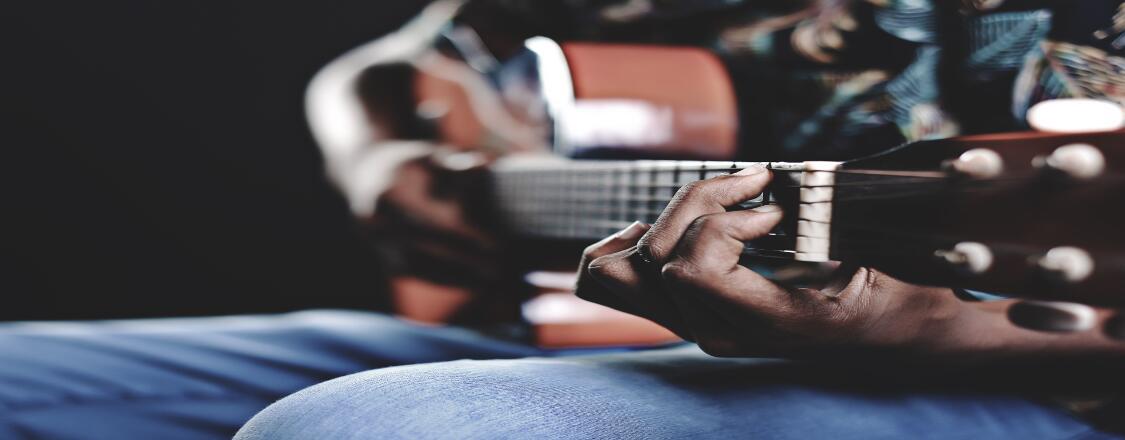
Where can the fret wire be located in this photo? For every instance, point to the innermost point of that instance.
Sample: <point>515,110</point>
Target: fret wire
<point>571,175</point>
<point>635,178</point>
<point>675,180</point>
<point>652,203</point>
<point>606,192</point>
<point>626,192</point>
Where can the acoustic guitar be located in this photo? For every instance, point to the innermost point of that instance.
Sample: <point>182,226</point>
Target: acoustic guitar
<point>1024,214</point>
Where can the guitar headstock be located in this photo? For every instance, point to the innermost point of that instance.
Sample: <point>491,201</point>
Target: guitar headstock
<point>1025,214</point>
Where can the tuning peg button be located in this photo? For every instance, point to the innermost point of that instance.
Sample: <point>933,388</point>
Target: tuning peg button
<point>972,257</point>
<point>1079,161</point>
<point>979,163</point>
<point>1068,264</point>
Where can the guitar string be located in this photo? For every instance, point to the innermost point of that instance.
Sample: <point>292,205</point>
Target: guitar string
<point>565,227</point>
<point>616,201</point>
<point>587,203</point>
<point>602,201</point>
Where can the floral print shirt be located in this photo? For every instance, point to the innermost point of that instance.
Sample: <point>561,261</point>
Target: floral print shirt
<point>847,78</point>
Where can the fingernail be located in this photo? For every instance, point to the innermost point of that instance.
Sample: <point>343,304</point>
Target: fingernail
<point>1052,316</point>
<point>751,170</point>
<point>632,232</point>
<point>1115,327</point>
<point>768,209</point>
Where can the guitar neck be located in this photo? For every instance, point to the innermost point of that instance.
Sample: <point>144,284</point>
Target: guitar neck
<point>590,199</point>
<point>1030,214</point>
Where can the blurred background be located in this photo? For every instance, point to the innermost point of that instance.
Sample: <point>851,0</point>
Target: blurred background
<point>158,162</point>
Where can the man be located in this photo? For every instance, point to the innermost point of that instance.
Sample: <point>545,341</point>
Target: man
<point>870,356</point>
<point>884,359</point>
<point>197,378</point>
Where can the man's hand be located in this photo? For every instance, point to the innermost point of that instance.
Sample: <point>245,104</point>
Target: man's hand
<point>683,273</point>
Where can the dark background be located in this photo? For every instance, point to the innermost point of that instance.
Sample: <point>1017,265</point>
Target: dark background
<point>157,161</point>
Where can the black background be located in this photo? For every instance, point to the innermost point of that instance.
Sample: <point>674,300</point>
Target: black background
<point>157,161</point>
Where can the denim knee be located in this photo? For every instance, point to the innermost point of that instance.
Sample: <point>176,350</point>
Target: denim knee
<point>639,395</point>
<point>464,399</point>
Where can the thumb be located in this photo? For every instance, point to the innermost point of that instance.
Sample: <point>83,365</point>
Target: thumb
<point>623,239</point>
<point>590,289</point>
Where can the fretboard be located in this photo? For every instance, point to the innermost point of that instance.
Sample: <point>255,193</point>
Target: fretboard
<point>590,199</point>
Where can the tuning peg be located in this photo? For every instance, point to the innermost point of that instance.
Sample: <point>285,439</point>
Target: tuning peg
<point>1067,264</point>
<point>1079,161</point>
<point>971,257</point>
<point>1052,316</point>
<point>978,163</point>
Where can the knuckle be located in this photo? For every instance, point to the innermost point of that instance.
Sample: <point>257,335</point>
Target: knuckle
<point>604,267</point>
<point>696,189</point>
<point>708,223</point>
<point>604,247</point>
<point>689,188</point>
<point>598,267</point>
<point>680,272</point>
<point>701,223</point>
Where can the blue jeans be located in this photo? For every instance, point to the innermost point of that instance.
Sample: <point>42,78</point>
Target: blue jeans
<point>198,378</point>
<point>672,393</point>
<point>202,378</point>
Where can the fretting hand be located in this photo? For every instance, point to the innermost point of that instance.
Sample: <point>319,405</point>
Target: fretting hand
<point>683,272</point>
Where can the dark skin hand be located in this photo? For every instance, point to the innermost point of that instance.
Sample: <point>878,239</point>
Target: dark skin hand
<point>683,273</point>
